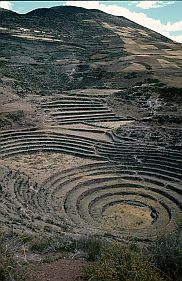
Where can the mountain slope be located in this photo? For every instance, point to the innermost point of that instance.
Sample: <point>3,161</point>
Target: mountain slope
<point>67,48</point>
<point>90,119</point>
<point>112,45</point>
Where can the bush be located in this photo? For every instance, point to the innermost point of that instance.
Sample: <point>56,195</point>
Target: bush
<point>10,268</point>
<point>54,244</point>
<point>166,255</point>
<point>170,94</point>
<point>92,246</point>
<point>7,262</point>
<point>122,263</point>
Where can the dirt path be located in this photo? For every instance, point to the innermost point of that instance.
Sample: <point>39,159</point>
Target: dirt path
<point>65,269</point>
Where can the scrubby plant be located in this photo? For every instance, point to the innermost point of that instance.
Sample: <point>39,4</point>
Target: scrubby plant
<point>166,254</point>
<point>53,244</point>
<point>123,263</point>
<point>170,94</point>
<point>6,262</point>
<point>10,268</point>
<point>92,246</point>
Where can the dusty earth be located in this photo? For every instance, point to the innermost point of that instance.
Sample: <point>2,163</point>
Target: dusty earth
<point>62,269</point>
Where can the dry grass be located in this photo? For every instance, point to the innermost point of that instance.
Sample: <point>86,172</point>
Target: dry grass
<point>120,262</point>
<point>112,261</point>
<point>166,255</point>
<point>157,261</point>
<point>10,268</point>
<point>6,263</point>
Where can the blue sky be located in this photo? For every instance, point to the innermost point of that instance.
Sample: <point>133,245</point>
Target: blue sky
<point>164,17</point>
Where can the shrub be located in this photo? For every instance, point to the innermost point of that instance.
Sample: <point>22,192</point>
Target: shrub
<point>170,94</point>
<point>56,243</point>
<point>92,246</point>
<point>166,255</point>
<point>122,263</point>
<point>7,262</point>
<point>10,268</point>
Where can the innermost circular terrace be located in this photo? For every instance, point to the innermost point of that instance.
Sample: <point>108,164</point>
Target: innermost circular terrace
<point>130,215</point>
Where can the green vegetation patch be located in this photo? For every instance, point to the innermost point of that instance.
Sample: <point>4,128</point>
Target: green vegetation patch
<point>120,262</point>
<point>90,246</point>
<point>159,260</point>
<point>170,94</point>
<point>166,254</point>
<point>10,268</point>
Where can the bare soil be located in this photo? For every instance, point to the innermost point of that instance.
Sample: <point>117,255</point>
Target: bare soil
<point>66,269</point>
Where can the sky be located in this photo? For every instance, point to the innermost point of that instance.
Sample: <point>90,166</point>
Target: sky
<point>164,17</point>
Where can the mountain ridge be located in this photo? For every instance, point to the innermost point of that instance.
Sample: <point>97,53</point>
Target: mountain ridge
<point>70,10</point>
<point>89,50</point>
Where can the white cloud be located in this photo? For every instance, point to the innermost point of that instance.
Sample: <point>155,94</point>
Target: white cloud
<point>84,4</point>
<point>176,26</point>
<point>139,18</point>
<point>6,5</point>
<point>177,38</point>
<point>153,4</point>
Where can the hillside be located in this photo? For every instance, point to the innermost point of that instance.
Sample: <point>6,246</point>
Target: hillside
<point>90,120</point>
